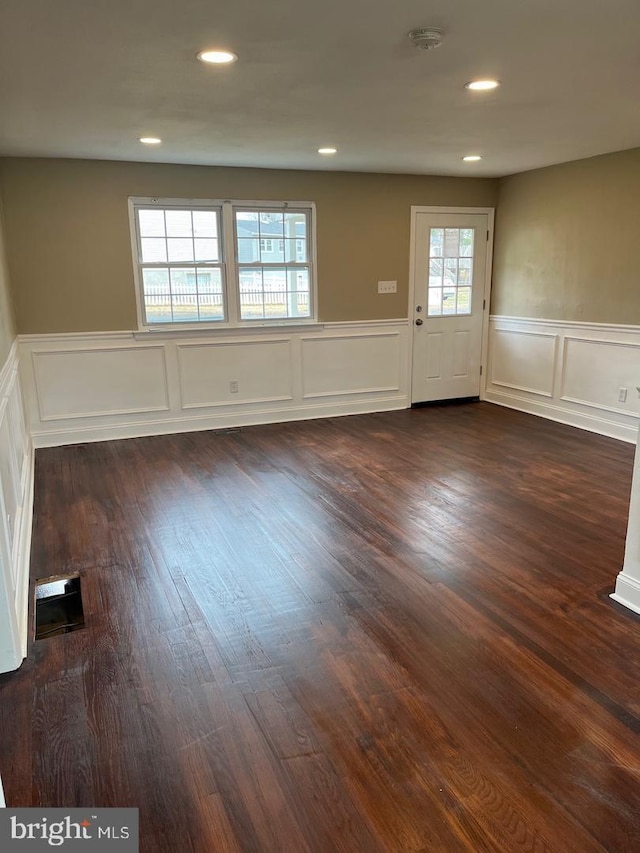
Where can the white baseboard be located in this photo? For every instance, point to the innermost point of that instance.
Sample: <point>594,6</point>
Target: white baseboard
<point>627,592</point>
<point>228,420</point>
<point>94,387</point>
<point>582,420</point>
<point>569,372</point>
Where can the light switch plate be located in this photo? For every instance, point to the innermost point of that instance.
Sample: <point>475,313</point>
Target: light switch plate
<point>387,287</point>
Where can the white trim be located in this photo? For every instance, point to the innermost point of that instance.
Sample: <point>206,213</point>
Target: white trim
<point>627,592</point>
<point>10,365</point>
<point>590,423</point>
<point>523,388</point>
<point>125,411</point>
<point>484,346</point>
<point>569,324</point>
<point>279,398</point>
<point>227,420</point>
<point>600,377</point>
<point>491,213</point>
<point>248,332</point>
<point>15,533</point>
<point>23,552</point>
<point>371,379</point>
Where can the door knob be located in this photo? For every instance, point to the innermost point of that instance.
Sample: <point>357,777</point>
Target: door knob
<point>419,321</point>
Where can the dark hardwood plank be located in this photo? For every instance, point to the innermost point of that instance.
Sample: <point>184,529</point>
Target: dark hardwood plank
<point>378,633</point>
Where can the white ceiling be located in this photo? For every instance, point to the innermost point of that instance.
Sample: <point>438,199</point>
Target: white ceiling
<point>86,78</point>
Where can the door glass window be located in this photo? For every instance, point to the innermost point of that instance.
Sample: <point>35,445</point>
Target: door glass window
<point>450,271</point>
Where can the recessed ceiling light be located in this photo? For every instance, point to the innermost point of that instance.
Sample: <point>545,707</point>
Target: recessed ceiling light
<point>217,57</point>
<point>472,158</point>
<point>327,150</point>
<point>482,85</point>
<point>150,140</point>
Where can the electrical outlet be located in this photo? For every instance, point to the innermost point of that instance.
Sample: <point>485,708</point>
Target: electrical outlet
<point>387,287</point>
<point>622,395</point>
<point>233,386</point>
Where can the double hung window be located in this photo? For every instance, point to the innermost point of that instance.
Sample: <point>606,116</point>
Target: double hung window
<point>226,262</point>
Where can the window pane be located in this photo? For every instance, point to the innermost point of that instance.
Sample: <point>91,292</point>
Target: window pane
<point>211,306</point>
<point>151,223</point>
<point>185,308</point>
<point>294,250</point>
<point>451,242</point>
<point>466,242</point>
<point>464,300</point>
<point>210,297</point>
<point>451,271</point>
<point>157,295</point>
<point>247,224</point>
<point>158,308</point>
<point>464,272</point>
<point>248,251</point>
<point>178,223</point>
<point>449,300</point>
<point>271,224</point>
<point>272,293</point>
<point>275,251</point>
<point>295,225</point>
<point>206,250</point>
<point>183,281</point>
<point>209,280</point>
<point>251,295</point>
<point>153,250</point>
<point>435,272</point>
<point>436,243</point>
<point>180,250</point>
<point>435,302</point>
<point>205,223</point>
<point>155,281</point>
<point>298,293</point>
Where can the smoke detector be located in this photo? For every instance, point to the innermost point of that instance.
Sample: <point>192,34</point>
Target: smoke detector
<point>426,38</point>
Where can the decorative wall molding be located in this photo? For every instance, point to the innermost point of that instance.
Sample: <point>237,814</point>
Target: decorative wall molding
<point>98,386</point>
<point>567,371</point>
<point>16,513</point>
<point>96,381</point>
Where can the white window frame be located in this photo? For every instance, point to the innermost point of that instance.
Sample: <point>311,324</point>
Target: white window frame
<point>228,263</point>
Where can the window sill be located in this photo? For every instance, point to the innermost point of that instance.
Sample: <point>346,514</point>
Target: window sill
<point>212,330</point>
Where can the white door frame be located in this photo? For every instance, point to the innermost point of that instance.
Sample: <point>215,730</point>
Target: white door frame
<point>490,212</point>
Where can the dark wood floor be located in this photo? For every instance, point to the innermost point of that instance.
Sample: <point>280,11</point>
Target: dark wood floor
<point>376,633</point>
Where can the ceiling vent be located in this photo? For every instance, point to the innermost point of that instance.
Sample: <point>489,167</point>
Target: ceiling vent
<point>426,38</point>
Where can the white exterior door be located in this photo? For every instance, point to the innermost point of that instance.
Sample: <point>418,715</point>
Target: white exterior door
<point>449,269</point>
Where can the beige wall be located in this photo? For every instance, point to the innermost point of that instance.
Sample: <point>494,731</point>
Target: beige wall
<point>567,242</point>
<point>69,245</point>
<point>7,331</point>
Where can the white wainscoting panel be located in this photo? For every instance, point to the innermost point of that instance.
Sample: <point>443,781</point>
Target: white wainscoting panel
<point>100,381</point>
<point>594,371</point>
<point>338,365</point>
<point>16,511</point>
<point>566,371</point>
<point>97,386</point>
<point>262,370</point>
<point>524,361</point>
